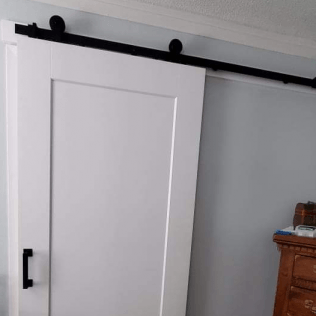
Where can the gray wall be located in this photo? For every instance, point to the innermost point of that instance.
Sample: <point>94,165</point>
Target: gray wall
<point>251,168</point>
<point>257,161</point>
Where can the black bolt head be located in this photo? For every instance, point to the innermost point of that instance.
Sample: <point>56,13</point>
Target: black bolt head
<point>175,47</point>
<point>57,24</point>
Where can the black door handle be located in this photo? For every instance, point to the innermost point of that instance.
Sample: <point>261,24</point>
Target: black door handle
<point>26,281</point>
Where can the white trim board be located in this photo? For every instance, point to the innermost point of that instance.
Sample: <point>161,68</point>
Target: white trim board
<point>9,38</point>
<point>12,175</point>
<point>196,24</point>
<point>7,32</point>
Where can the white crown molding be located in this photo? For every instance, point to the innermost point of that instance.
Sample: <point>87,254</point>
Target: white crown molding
<point>193,24</point>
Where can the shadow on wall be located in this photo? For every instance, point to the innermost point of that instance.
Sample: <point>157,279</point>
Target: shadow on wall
<point>256,163</point>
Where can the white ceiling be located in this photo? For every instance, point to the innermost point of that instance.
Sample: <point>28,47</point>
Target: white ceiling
<point>290,17</point>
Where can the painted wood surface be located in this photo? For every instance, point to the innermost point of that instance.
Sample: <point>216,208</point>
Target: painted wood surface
<point>108,153</point>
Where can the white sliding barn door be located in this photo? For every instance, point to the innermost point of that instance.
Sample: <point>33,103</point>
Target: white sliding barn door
<point>108,154</point>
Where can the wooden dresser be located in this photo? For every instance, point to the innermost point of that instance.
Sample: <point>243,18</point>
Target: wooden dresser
<point>296,288</point>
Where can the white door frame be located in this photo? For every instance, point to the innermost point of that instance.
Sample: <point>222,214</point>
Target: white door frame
<point>9,39</point>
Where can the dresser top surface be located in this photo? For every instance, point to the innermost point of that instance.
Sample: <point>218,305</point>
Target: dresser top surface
<point>295,240</point>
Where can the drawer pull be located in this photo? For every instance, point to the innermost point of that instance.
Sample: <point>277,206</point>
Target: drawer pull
<point>309,304</point>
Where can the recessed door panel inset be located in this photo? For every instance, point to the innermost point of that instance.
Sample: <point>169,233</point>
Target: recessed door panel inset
<point>111,164</point>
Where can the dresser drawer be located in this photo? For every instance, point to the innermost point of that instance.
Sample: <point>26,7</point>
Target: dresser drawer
<point>301,302</point>
<point>305,268</point>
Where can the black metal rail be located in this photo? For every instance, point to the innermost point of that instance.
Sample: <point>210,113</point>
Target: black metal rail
<point>58,34</point>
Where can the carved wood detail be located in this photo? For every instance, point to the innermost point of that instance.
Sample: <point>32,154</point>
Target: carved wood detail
<point>297,271</point>
<point>304,284</point>
<point>296,248</point>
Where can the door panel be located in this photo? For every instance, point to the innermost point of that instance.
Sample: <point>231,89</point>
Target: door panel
<point>110,169</point>
<point>107,176</point>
